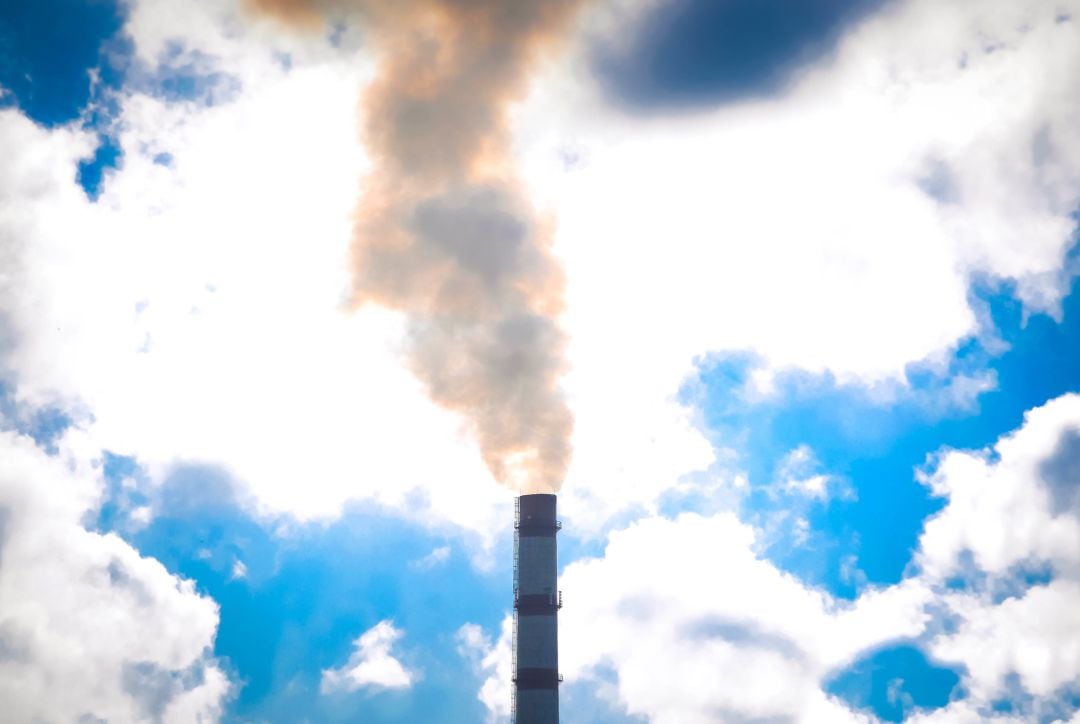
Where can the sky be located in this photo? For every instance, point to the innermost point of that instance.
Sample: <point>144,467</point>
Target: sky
<point>783,298</point>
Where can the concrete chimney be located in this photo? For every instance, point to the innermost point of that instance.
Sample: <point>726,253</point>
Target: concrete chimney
<point>536,607</point>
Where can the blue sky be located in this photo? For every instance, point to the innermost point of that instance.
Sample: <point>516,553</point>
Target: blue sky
<point>823,325</point>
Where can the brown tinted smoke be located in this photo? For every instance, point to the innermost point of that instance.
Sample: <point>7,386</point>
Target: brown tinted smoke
<point>444,231</point>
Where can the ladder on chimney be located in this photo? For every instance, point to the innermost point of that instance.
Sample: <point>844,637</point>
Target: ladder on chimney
<point>514,645</point>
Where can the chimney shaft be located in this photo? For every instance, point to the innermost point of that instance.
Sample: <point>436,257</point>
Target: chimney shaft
<point>536,606</point>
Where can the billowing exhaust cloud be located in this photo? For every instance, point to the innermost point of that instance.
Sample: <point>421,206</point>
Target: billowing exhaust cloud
<point>444,231</point>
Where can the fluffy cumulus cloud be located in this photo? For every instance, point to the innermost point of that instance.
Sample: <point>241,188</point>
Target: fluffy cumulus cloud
<point>89,629</point>
<point>1008,542</point>
<point>197,312</point>
<point>204,293</point>
<point>211,272</point>
<point>790,227</point>
<point>1014,505</point>
<point>491,660</point>
<point>698,628</point>
<point>371,665</point>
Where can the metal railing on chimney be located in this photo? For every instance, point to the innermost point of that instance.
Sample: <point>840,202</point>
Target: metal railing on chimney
<point>513,671</point>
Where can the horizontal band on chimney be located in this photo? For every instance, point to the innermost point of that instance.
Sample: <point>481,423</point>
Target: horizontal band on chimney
<point>537,604</point>
<point>538,530</point>
<point>531,678</point>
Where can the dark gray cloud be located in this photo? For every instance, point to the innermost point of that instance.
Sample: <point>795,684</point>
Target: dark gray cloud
<point>15,643</point>
<point>1061,473</point>
<point>120,577</point>
<point>693,53</point>
<point>733,716</point>
<point>151,687</point>
<point>744,634</point>
<point>5,531</point>
<point>939,182</point>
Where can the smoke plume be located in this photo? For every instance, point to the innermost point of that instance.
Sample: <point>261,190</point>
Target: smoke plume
<point>444,231</point>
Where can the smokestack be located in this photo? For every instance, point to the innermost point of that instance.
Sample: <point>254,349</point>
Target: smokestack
<point>536,607</point>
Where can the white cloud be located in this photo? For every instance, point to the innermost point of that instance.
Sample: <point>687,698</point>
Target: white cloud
<point>140,516</point>
<point>797,229</point>
<point>239,570</point>
<point>195,314</point>
<point>1001,507</point>
<point>1011,513</point>
<point>797,472</point>
<point>491,661</point>
<point>218,284</point>
<point>436,557</point>
<point>1035,636</point>
<point>372,665</point>
<point>88,627</point>
<point>961,712</point>
<point>698,628</point>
